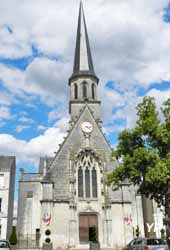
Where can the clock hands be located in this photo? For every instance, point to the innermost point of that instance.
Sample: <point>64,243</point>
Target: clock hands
<point>88,126</point>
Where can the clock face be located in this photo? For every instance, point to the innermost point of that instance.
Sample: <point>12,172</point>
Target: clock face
<point>87,127</point>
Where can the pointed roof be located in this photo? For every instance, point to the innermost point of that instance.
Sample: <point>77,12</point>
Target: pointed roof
<point>83,63</point>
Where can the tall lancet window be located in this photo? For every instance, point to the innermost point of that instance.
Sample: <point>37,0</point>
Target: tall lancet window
<point>87,165</point>
<point>80,182</point>
<point>87,181</point>
<point>75,91</point>
<point>84,90</point>
<point>93,91</point>
<point>94,183</point>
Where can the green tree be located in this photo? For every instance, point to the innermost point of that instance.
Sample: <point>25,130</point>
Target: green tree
<point>144,156</point>
<point>13,236</point>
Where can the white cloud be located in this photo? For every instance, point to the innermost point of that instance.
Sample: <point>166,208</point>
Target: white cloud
<point>5,99</point>
<point>43,78</point>
<point>63,124</point>
<point>131,47</point>
<point>20,128</point>
<point>160,96</point>
<point>41,128</point>
<point>131,42</point>
<point>25,119</point>
<point>56,114</point>
<point>5,113</point>
<point>128,112</point>
<point>111,99</point>
<point>30,151</point>
<point>53,115</point>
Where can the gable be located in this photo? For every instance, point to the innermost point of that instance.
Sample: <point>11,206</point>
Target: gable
<point>74,142</point>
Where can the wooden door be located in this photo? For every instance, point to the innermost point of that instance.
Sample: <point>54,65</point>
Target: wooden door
<point>86,222</point>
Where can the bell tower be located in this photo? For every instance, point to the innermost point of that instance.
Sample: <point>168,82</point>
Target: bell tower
<point>83,81</point>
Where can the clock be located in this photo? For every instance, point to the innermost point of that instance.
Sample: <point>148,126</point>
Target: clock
<point>87,127</point>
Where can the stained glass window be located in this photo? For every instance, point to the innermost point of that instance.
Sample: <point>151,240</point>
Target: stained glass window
<point>87,181</point>
<point>80,182</point>
<point>94,183</point>
<point>87,166</point>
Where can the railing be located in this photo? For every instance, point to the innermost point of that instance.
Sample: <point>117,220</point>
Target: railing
<point>28,241</point>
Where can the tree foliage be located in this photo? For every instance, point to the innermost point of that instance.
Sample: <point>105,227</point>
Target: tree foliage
<point>144,153</point>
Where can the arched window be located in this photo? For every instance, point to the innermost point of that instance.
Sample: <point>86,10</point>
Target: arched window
<point>93,91</point>
<point>84,90</point>
<point>87,166</point>
<point>75,91</point>
<point>94,183</point>
<point>80,182</point>
<point>87,182</point>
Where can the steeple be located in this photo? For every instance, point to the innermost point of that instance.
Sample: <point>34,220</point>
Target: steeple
<point>83,63</point>
<point>83,81</point>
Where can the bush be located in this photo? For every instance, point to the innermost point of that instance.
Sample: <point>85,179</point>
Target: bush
<point>163,236</point>
<point>47,232</point>
<point>48,240</point>
<point>93,234</point>
<point>13,236</point>
<point>137,231</point>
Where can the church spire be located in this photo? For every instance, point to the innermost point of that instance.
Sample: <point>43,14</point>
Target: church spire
<point>83,63</point>
<point>83,83</point>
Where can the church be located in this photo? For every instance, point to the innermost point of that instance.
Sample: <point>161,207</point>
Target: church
<point>68,196</point>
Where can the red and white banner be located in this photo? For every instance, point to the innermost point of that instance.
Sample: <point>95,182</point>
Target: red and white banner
<point>128,219</point>
<point>47,218</point>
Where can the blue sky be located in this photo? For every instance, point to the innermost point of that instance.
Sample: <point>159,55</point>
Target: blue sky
<point>131,58</point>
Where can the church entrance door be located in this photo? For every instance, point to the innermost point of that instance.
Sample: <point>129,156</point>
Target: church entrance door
<point>87,223</point>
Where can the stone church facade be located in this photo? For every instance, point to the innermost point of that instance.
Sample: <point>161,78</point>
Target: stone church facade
<point>69,195</point>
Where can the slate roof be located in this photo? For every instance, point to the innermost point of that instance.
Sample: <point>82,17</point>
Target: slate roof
<point>83,63</point>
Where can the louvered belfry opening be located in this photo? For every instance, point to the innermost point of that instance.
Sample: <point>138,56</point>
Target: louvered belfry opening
<point>87,221</point>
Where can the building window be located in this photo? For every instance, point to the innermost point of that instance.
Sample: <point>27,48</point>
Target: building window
<point>84,90</point>
<point>80,182</point>
<point>1,180</point>
<point>87,182</point>
<point>29,194</point>
<point>0,205</point>
<point>37,237</point>
<point>93,91</point>
<point>75,91</point>
<point>87,176</point>
<point>94,182</point>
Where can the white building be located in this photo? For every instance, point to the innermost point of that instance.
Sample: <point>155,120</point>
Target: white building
<point>7,187</point>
